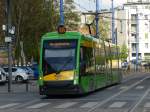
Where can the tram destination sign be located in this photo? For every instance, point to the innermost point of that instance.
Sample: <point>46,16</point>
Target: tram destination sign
<point>60,44</point>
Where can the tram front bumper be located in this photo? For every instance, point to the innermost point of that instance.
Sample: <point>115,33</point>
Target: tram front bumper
<point>59,88</point>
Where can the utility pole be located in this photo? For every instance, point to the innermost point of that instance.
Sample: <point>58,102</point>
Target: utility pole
<point>137,37</point>
<point>8,39</point>
<point>97,18</point>
<point>113,23</point>
<point>61,13</point>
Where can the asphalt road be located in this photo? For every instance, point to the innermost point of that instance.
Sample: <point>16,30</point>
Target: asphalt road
<point>132,95</point>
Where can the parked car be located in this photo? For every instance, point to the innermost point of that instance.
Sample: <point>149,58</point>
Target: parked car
<point>29,71</point>
<point>18,74</point>
<point>2,76</point>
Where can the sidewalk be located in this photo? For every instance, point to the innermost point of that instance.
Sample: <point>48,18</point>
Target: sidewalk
<point>31,87</point>
<point>132,73</point>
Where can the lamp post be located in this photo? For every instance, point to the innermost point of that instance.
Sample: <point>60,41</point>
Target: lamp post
<point>8,40</point>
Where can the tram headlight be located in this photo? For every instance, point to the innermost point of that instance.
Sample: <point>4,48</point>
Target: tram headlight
<point>40,78</point>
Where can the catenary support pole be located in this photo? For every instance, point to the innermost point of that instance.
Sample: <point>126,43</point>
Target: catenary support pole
<point>8,14</point>
<point>137,37</point>
<point>97,18</point>
<point>113,22</point>
<point>61,13</point>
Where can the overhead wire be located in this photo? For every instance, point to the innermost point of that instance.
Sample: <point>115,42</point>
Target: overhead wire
<point>79,5</point>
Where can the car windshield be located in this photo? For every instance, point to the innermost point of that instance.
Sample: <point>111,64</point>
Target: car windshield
<point>60,57</point>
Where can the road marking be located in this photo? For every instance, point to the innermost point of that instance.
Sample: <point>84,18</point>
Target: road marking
<point>8,105</point>
<point>117,94</point>
<point>89,105</point>
<point>139,87</point>
<point>141,99</point>
<point>28,103</point>
<point>39,105</point>
<point>117,104</point>
<point>124,87</point>
<point>66,105</point>
<point>147,105</point>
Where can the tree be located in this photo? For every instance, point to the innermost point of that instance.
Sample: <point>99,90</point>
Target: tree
<point>30,23</point>
<point>72,17</point>
<point>124,52</point>
<point>2,20</point>
<point>104,29</point>
<point>32,19</point>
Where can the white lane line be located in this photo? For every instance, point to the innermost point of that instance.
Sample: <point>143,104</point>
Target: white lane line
<point>117,105</point>
<point>124,87</point>
<point>8,105</point>
<point>139,87</point>
<point>117,94</point>
<point>89,105</point>
<point>39,105</point>
<point>66,105</point>
<point>141,99</point>
<point>147,105</point>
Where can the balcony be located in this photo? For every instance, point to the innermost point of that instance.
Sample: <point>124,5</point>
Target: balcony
<point>133,40</point>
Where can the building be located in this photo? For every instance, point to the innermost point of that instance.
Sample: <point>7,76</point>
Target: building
<point>132,27</point>
<point>137,16</point>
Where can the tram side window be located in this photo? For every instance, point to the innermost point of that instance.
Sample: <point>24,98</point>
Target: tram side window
<point>86,61</point>
<point>114,57</point>
<point>100,60</point>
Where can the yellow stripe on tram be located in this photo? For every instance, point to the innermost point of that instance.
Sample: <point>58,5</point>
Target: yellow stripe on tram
<point>64,75</point>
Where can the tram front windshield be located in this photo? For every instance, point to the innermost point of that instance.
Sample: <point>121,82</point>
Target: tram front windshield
<point>59,55</point>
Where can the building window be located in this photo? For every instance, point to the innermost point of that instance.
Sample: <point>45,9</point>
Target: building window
<point>146,17</point>
<point>133,16</point>
<point>133,28</point>
<point>133,54</point>
<point>133,46</point>
<point>146,35</point>
<point>133,35</point>
<point>146,45</point>
<point>146,25</point>
<point>139,0</point>
<point>146,54</point>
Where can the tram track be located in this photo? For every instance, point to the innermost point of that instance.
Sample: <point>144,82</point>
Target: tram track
<point>121,92</point>
<point>133,108</point>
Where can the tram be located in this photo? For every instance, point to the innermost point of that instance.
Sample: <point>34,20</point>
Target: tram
<point>72,63</point>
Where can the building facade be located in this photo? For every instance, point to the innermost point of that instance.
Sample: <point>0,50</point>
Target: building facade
<point>137,17</point>
<point>132,28</point>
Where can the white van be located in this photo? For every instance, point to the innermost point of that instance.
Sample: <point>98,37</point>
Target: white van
<point>2,76</point>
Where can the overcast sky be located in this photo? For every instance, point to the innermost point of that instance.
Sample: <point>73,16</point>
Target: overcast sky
<point>90,4</point>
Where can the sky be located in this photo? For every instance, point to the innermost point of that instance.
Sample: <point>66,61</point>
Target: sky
<point>90,4</point>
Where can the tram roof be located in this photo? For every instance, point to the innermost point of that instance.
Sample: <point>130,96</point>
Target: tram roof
<point>68,35</point>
